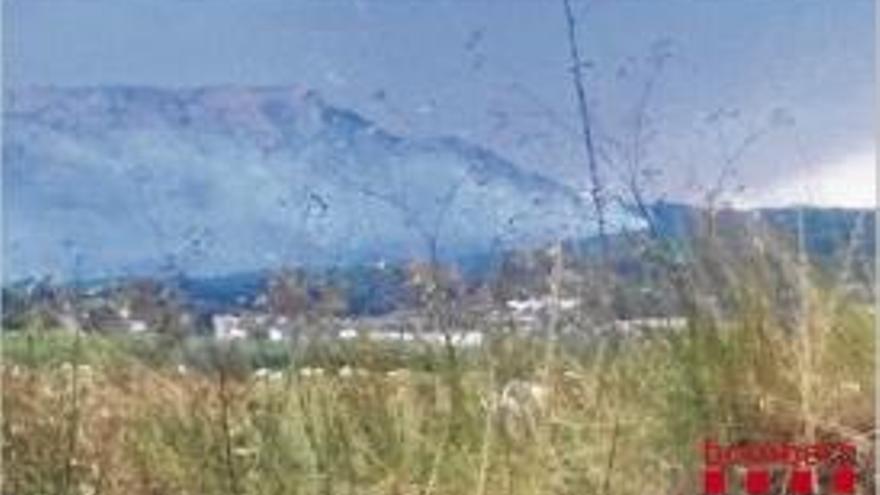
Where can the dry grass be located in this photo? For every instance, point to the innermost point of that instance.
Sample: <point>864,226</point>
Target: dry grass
<point>517,416</point>
<point>614,422</point>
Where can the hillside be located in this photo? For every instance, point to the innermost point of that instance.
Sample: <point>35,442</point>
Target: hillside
<point>126,180</point>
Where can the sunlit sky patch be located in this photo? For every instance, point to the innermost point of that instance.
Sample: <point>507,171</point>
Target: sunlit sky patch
<point>849,183</point>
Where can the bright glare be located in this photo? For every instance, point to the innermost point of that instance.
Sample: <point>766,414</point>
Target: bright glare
<point>852,182</point>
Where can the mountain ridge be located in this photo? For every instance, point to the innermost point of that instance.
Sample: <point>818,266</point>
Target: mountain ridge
<point>164,176</point>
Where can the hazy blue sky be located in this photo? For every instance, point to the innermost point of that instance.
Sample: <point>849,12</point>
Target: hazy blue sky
<point>495,72</point>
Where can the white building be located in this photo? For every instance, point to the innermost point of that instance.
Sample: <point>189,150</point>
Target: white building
<point>228,327</point>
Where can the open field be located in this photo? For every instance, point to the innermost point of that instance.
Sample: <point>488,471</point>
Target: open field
<point>103,415</point>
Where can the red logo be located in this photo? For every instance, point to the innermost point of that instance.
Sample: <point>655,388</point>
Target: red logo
<point>799,464</point>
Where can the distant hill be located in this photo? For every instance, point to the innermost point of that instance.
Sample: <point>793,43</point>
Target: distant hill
<point>218,186</point>
<point>828,232</point>
<point>372,289</point>
<point>113,181</point>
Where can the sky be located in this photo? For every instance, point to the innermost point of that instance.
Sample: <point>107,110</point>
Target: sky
<point>792,79</point>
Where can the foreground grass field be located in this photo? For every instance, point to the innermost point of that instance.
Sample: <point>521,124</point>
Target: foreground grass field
<point>98,415</point>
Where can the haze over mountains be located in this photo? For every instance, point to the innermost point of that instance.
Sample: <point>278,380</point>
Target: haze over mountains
<point>109,181</point>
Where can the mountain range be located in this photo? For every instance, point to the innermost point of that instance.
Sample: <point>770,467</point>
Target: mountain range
<point>113,181</point>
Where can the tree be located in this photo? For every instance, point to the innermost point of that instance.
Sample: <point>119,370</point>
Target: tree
<point>287,294</point>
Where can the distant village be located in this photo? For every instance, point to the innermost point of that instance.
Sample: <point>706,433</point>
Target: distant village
<point>292,306</point>
<point>142,308</point>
